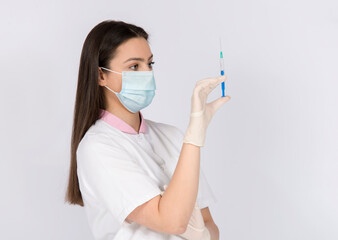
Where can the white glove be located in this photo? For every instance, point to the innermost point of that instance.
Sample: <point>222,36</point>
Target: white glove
<point>202,112</point>
<point>196,229</point>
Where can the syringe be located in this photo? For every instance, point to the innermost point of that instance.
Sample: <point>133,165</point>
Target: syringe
<point>221,62</point>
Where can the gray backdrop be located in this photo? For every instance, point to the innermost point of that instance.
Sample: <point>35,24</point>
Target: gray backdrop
<point>271,152</point>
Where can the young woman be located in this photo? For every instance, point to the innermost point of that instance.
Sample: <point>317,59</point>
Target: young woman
<point>136,178</point>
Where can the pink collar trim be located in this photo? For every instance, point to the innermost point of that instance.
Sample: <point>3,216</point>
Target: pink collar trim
<point>118,123</point>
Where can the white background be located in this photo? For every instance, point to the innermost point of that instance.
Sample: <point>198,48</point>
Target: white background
<point>271,153</point>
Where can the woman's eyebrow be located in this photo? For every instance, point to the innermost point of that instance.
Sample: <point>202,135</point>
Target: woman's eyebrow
<point>138,59</point>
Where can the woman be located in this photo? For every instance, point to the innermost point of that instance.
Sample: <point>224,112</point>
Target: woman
<point>134,176</point>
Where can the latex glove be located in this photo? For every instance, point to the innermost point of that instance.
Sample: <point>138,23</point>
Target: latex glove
<point>196,229</point>
<point>202,112</point>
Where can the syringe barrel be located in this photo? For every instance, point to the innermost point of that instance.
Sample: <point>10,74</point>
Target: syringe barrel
<point>221,63</point>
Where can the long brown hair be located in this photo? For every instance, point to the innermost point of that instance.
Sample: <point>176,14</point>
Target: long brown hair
<point>98,49</point>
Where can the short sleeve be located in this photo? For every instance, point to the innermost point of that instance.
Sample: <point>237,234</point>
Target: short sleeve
<point>110,175</point>
<point>205,196</point>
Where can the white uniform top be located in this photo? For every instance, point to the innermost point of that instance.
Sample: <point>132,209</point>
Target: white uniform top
<point>119,169</point>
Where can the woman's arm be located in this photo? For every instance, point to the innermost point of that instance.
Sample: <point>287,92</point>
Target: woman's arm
<point>213,230</point>
<point>178,200</point>
<point>210,224</point>
<point>170,213</point>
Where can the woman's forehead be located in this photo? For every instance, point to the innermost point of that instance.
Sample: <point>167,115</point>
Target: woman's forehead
<point>133,48</point>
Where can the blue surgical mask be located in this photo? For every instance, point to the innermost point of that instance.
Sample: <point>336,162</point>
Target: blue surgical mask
<point>138,89</point>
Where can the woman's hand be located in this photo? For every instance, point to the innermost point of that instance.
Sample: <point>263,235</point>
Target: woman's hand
<point>196,229</point>
<point>202,112</point>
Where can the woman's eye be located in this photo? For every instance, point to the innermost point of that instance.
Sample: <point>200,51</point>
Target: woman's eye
<point>134,67</point>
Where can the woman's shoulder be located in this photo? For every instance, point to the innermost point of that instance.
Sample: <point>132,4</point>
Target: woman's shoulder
<point>100,133</point>
<point>165,128</point>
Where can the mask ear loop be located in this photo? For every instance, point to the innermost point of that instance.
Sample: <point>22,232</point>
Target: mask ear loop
<point>111,90</point>
<point>113,72</point>
<point>110,70</point>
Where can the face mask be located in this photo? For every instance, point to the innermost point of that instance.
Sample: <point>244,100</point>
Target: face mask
<point>138,89</point>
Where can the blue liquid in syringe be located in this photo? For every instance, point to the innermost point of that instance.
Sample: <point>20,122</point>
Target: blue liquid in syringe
<point>222,72</point>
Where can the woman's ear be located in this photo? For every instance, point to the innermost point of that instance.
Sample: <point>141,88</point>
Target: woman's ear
<point>102,78</point>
